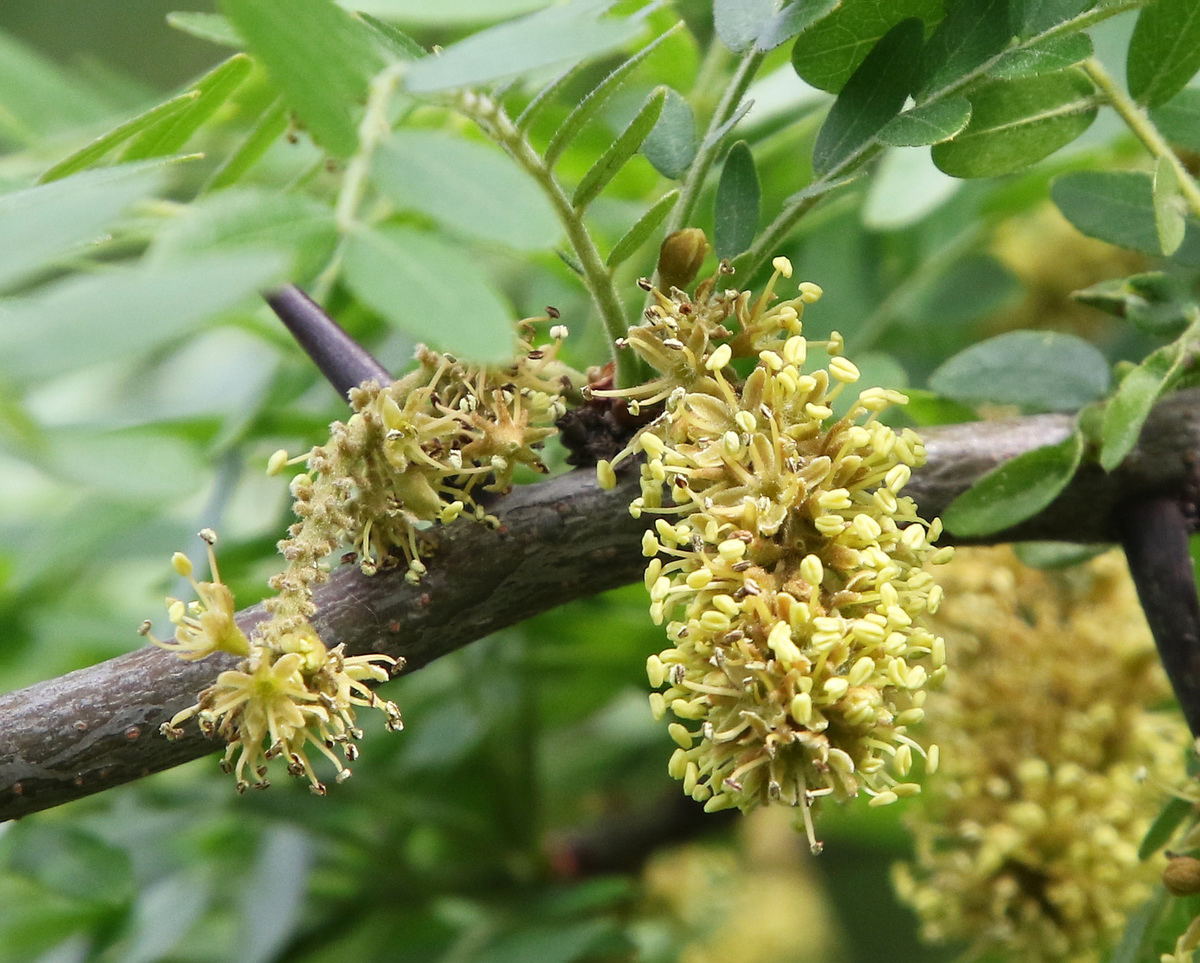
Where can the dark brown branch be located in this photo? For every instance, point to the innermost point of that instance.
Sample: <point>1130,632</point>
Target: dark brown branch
<point>1154,533</point>
<point>559,540</point>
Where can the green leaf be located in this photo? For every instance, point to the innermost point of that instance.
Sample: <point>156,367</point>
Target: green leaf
<point>869,100</point>
<point>645,225</point>
<point>294,225</point>
<point>829,51</point>
<point>736,209</point>
<point>1038,370</point>
<point>738,22</point>
<point>268,129</point>
<point>87,156</point>
<point>561,34</point>
<point>1164,51</point>
<point>1178,120</point>
<point>171,133</point>
<point>671,146</point>
<point>1056,53</point>
<point>1112,206</point>
<point>430,290</point>
<point>41,224</point>
<point>971,34</point>
<point>207,26</point>
<point>1169,222</point>
<point>930,123</point>
<point>1014,491</point>
<point>1126,411</point>
<point>793,19</point>
<point>714,137</point>
<point>397,43</point>
<point>1056,555</point>
<point>1015,123</point>
<point>1032,17</point>
<point>595,99</point>
<point>468,187</point>
<point>1155,302</point>
<point>124,312</point>
<point>620,151</point>
<point>320,57</point>
<point>1169,819</point>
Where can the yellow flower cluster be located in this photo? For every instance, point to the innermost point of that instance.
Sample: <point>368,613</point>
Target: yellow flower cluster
<point>1027,837</point>
<point>787,564</point>
<point>414,453</point>
<point>284,696</point>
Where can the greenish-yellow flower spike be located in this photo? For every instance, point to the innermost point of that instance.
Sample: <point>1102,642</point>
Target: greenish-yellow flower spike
<point>788,566</point>
<point>1055,761</point>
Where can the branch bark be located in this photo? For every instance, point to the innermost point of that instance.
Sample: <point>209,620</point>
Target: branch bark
<point>558,540</point>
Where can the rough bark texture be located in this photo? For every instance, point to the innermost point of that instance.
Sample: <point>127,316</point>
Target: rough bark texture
<point>558,540</point>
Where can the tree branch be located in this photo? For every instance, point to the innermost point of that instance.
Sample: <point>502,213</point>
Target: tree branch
<point>559,540</point>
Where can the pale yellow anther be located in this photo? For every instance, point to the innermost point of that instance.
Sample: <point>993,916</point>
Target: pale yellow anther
<point>731,443</point>
<point>605,476</point>
<point>658,706</point>
<point>732,549</point>
<point>861,671</point>
<point>699,580</point>
<point>771,360</point>
<point>651,444</point>
<point>653,571</point>
<point>801,708</point>
<point>843,370</point>
<point>726,604</point>
<point>681,734</point>
<point>719,358</point>
<point>812,571</point>
<point>182,564</point>
<point>660,588</point>
<point>885,798</point>
<point>840,760</point>
<point>746,421</point>
<point>906,790</point>
<point>829,525</point>
<point>795,350</point>
<point>810,293</point>
<point>902,761</point>
<point>834,500</point>
<point>782,265</point>
<point>650,546</point>
<point>277,462</point>
<point>836,687</point>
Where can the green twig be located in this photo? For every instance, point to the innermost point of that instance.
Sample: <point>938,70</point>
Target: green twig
<point>496,124</point>
<point>1137,120</point>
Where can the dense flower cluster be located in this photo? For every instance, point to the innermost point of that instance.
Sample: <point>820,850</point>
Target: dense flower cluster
<point>1027,837</point>
<point>787,563</point>
<point>414,453</point>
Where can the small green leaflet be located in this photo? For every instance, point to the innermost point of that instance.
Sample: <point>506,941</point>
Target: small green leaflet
<point>1178,120</point>
<point>41,224</point>
<point>1156,302</point>
<point>212,90</point>
<point>1015,490</point>
<point>869,100</point>
<point>207,26</point>
<point>1169,819</point>
<point>268,129</point>
<point>930,123</point>
<point>1015,123</point>
<point>1164,51</point>
<point>562,34</point>
<point>1056,53</point>
<point>671,146</point>
<point>739,22</point>
<point>792,20</point>
<point>970,35</point>
<point>1113,206</point>
<point>621,150</point>
<point>1032,17</point>
<point>430,290</point>
<point>1038,370</point>
<point>737,203</point>
<point>1126,411</point>
<point>86,156</point>
<point>830,50</point>
<point>1169,206</point>
<point>320,57</point>
<point>645,225</point>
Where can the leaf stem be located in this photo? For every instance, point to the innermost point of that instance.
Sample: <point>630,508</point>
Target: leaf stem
<point>1138,121</point>
<point>496,124</point>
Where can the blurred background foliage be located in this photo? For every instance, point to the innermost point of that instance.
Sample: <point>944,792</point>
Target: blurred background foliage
<point>123,430</point>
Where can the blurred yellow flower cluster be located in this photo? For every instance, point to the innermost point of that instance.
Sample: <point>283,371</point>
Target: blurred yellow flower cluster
<point>1055,761</point>
<point>786,562</point>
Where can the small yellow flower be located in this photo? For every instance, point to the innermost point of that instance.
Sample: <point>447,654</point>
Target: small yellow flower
<point>207,624</point>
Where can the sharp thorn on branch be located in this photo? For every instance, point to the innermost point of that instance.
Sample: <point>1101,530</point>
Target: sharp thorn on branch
<point>343,361</point>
